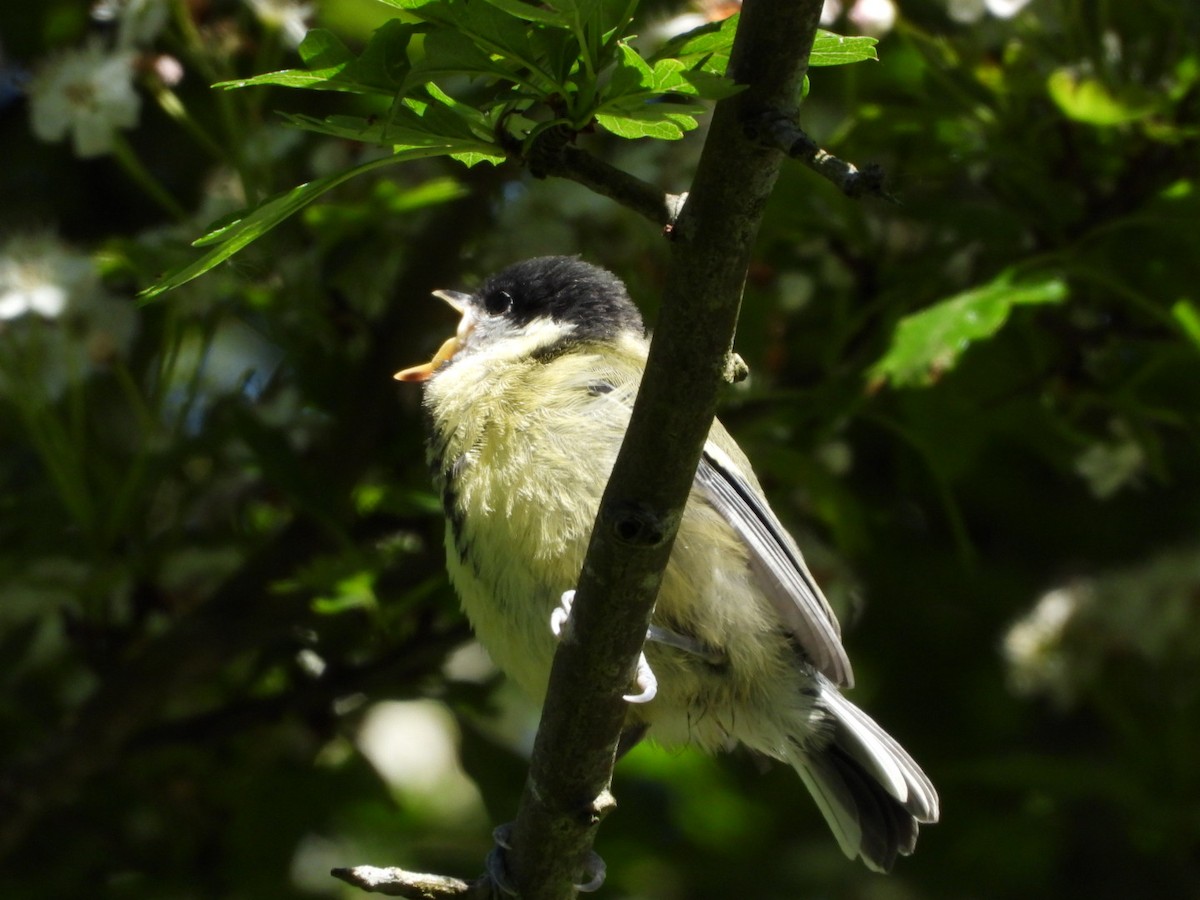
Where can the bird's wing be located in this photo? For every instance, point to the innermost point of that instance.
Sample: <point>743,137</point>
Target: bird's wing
<point>724,480</point>
<point>776,562</point>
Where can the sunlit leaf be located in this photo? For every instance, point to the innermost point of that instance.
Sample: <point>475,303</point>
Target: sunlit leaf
<point>494,31</point>
<point>244,230</point>
<point>664,122</point>
<point>1184,312</point>
<point>929,343</point>
<point>1086,99</point>
<point>381,69</point>
<point>706,47</point>
<point>831,49</point>
<point>449,52</point>
<point>532,12</point>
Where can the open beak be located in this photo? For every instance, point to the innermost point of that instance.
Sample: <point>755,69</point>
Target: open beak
<point>459,303</point>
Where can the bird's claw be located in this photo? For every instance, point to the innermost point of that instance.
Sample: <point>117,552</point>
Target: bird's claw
<point>496,866</point>
<point>560,625</point>
<point>645,680</point>
<point>560,618</point>
<point>595,868</point>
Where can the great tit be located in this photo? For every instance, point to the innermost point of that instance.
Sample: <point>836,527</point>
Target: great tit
<point>527,405</point>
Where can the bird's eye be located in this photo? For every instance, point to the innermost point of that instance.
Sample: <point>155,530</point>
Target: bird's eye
<point>497,303</point>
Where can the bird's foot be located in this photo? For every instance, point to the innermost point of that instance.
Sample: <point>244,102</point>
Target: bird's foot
<point>594,869</point>
<point>560,625</point>
<point>496,863</point>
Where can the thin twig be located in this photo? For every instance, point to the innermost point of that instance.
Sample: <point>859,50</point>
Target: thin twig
<point>552,154</point>
<point>781,132</point>
<point>414,885</point>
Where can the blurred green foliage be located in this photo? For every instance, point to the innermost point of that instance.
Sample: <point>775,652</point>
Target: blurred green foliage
<point>220,556</point>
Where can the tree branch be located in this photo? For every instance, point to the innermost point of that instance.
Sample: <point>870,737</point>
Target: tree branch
<point>553,154</point>
<point>574,752</point>
<point>782,132</point>
<point>414,885</point>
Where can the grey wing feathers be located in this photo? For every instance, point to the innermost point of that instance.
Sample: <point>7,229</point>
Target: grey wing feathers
<point>880,756</point>
<point>777,564</point>
<point>870,791</point>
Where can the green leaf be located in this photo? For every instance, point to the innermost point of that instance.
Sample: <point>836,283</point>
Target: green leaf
<point>474,120</point>
<point>496,32</point>
<point>471,158</point>
<point>929,343</point>
<point>637,81</point>
<point>706,47</point>
<point>413,122</point>
<point>384,62</point>
<point>831,49</point>
<point>596,24</point>
<point>664,122</point>
<point>633,105</point>
<point>1186,315</point>
<point>1087,100</point>
<point>381,69</point>
<point>253,224</point>
<point>323,49</point>
<point>532,13</point>
<point>449,52</point>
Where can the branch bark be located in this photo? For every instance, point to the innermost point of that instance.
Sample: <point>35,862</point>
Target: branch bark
<point>554,155</point>
<point>575,749</point>
<point>784,134</point>
<point>393,882</point>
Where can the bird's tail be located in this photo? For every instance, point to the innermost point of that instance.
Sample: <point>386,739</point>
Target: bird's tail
<point>871,792</point>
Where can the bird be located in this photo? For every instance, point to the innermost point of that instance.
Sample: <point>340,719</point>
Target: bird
<point>526,407</point>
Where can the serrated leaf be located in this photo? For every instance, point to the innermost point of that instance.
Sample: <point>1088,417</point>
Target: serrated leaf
<point>381,69</point>
<point>384,61</point>
<point>475,120</point>
<point>532,13</point>
<point>706,47</point>
<point>475,157</point>
<point>929,343</point>
<point>412,125</point>
<point>496,32</point>
<point>635,79</point>
<point>256,222</point>
<point>711,86</point>
<point>648,121</point>
<point>322,49</point>
<point>632,73</point>
<point>831,49</point>
<point>449,52</point>
<point>375,130</point>
<point>328,80</point>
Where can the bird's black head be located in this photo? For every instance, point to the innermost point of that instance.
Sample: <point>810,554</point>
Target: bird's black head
<point>548,304</point>
<point>564,289</point>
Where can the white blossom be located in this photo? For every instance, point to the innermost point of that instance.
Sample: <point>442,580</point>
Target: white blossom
<point>970,11</point>
<point>1033,646</point>
<point>1108,467</point>
<point>873,17</point>
<point>967,12</point>
<point>57,323</point>
<point>290,17</point>
<point>88,93</point>
<point>1005,9</point>
<point>40,275</point>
